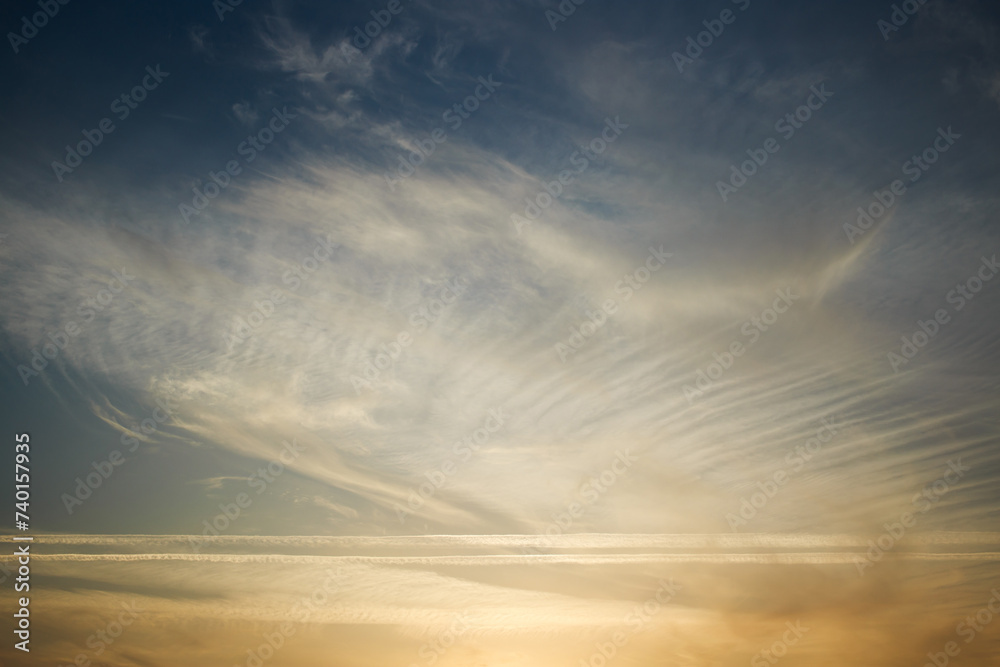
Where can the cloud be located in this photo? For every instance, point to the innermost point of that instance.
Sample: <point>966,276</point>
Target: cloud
<point>735,589</point>
<point>245,113</point>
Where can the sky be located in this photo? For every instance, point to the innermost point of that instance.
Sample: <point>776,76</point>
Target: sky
<point>503,333</point>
